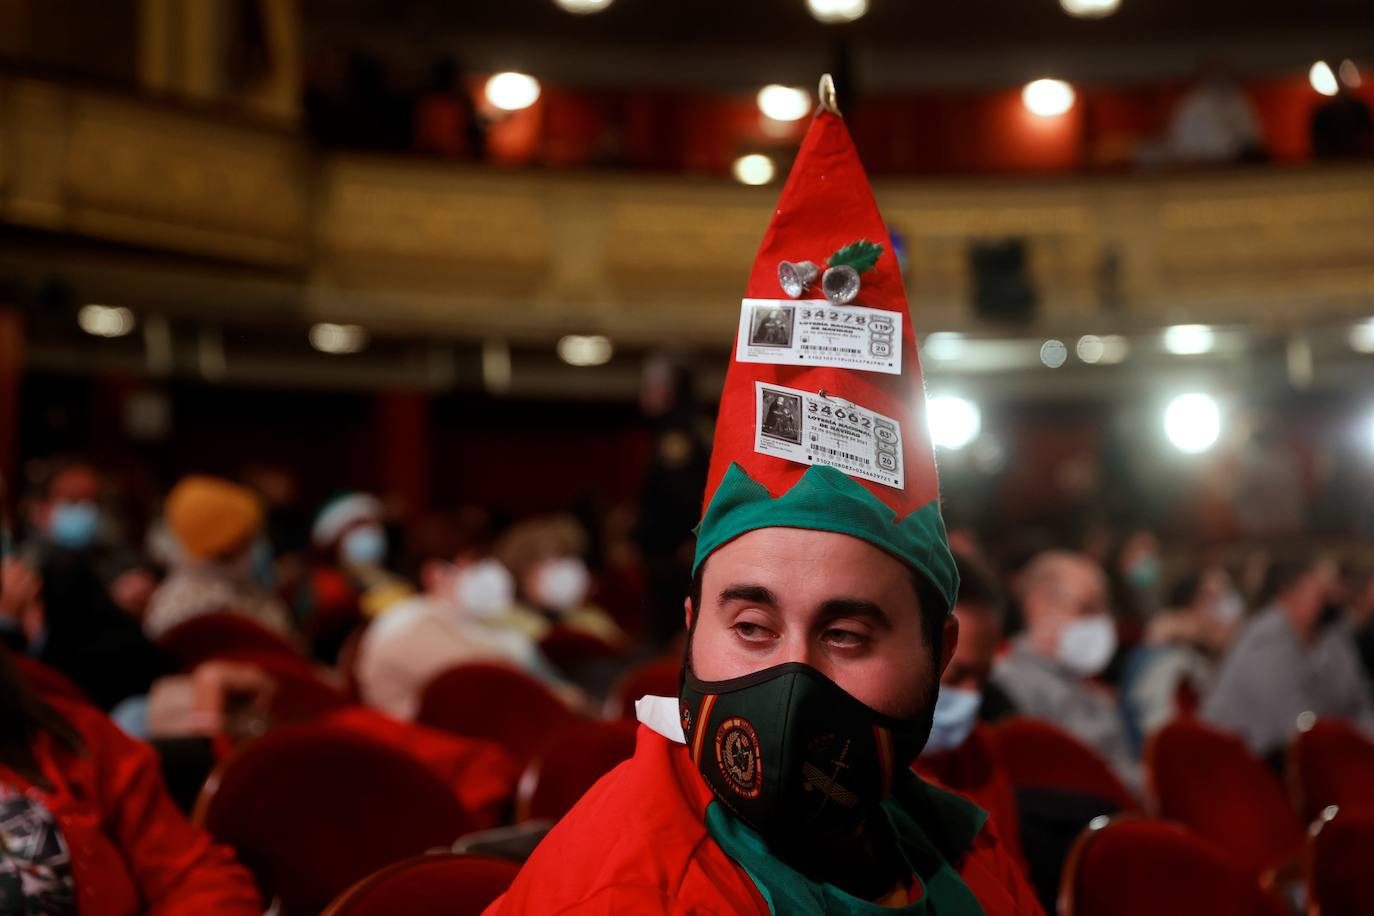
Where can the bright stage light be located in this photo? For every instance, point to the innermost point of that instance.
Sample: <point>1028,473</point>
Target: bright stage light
<point>337,339</point>
<point>1361,337</point>
<point>784,103</point>
<point>1090,9</point>
<point>836,11</point>
<point>754,168</point>
<point>1322,79</point>
<point>583,7</point>
<point>954,422</point>
<point>585,349</point>
<point>1047,98</point>
<point>1192,422</point>
<point>512,91</point>
<point>1189,339</point>
<point>105,320</point>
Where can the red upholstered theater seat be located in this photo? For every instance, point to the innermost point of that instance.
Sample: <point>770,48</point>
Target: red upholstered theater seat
<point>1209,781</point>
<point>219,635</point>
<point>568,649</point>
<point>495,702</point>
<point>1340,865</point>
<point>568,764</point>
<point>440,884</point>
<point>659,678</point>
<point>1140,867</point>
<point>1331,763</point>
<point>311,809</point>
<point>1039,755</point>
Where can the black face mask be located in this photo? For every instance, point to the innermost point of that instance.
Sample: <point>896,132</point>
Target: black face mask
<point>793,755</point>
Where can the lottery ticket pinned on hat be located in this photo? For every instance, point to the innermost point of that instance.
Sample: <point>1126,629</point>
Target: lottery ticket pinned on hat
<point>822,419</point>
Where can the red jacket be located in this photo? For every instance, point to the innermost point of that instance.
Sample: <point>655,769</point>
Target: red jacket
<point>973,770</point>
<point>637,843</point>
<point>131,850</point>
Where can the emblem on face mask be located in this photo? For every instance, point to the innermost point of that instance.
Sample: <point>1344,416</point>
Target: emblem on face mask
<point>737,753</point>
<point>814,780</point>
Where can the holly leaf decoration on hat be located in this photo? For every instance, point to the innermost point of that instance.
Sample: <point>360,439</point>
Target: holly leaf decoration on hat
<point>860,255</point>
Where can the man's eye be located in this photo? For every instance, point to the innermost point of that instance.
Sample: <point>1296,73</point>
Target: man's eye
<point>751,632</point>
<point>845,639</point>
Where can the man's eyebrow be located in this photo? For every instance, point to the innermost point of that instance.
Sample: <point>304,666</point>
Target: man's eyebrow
<point>855,607</point>
<point>754,594</point>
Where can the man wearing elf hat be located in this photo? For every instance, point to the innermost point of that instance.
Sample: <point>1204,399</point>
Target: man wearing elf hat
<point>779,780</point>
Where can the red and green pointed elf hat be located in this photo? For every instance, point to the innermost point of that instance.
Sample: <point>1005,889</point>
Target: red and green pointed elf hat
<point>822,419</point>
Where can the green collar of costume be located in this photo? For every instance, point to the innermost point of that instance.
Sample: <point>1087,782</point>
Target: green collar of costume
<point>933,828</point>
<point>825,499</point>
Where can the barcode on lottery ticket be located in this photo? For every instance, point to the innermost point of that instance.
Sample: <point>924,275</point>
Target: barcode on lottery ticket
<point>835,453</point>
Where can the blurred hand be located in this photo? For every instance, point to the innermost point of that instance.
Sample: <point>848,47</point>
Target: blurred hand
<point>21,590</point>
<point>132,589</point>
<point>20,585</point>
<point>232,697</point>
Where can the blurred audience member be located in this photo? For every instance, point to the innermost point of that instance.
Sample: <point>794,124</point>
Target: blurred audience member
<point>59,604</point>
<point>350,581</point>
<point>670,497</point>
<point>1297,655</point>
<point>1069,638</point>
<point>959,753</point>
<point>88,825</point>
<point>71,531</point>
<point>1342,127</point>
<point>1214,123</point>
<point>1139,569</point>
<point>1181,650</point>
<point>446,120</point>
<point>448,625</point>
<point>224,563</point>
<point>552,582</point>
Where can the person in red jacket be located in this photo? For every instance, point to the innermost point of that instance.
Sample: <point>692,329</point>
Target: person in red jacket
<point>778,781</point>
<point>87,825</point>
<point>960,754</point>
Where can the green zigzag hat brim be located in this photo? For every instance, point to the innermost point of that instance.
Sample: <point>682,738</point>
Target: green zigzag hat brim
<point>825,499</point>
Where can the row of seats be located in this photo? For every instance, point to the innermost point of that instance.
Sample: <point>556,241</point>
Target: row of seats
<point>1214,801</point>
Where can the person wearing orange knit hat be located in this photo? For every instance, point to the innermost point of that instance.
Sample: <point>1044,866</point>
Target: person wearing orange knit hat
<point>220,559</point>
<point>778,781</point>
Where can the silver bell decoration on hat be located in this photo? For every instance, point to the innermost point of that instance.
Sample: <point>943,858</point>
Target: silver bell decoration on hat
<point>795,277</point>
<point>840,284</point>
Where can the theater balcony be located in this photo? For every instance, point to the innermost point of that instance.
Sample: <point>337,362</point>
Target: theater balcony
<point>206,224</point>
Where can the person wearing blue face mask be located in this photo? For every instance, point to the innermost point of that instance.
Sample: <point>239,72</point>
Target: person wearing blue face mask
<point>349,582</point>
<point>92,590</point>
<point>71,529</point>
<point>959,753</point>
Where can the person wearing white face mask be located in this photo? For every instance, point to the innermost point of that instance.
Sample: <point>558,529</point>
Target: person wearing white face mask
<point>456,621</point>
<point>1069,639</point>
<point>959,753</point>
<point>552,581</point>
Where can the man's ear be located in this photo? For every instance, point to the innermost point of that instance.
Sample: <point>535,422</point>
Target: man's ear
<point>949,642</point>
<point>687,612</point>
